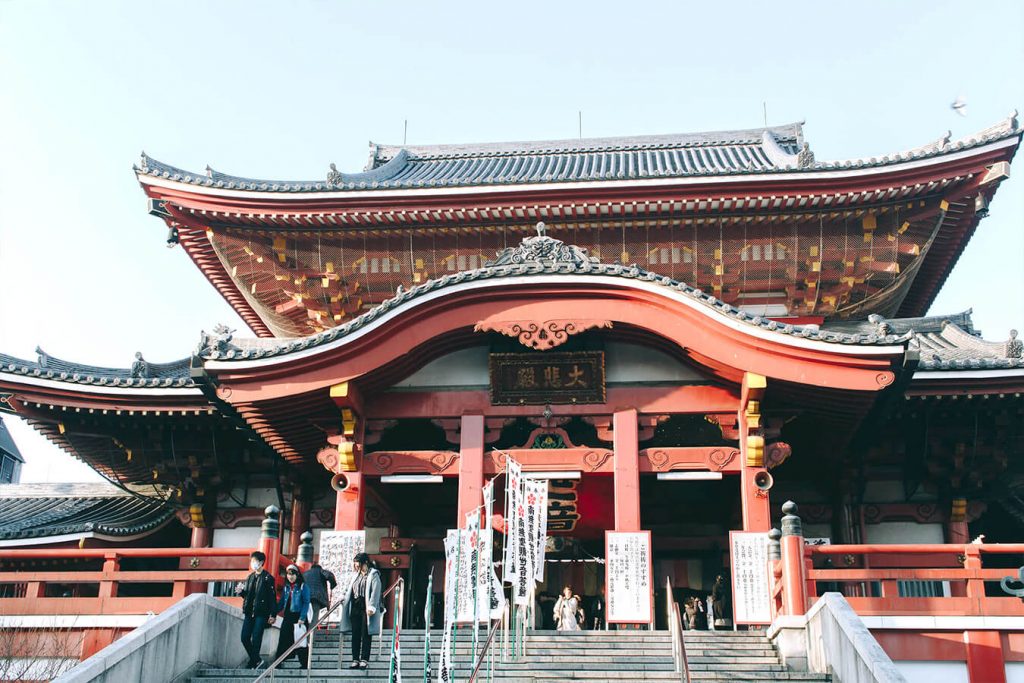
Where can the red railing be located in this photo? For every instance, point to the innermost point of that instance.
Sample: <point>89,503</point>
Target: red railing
<point>870,577</point>
<point>880,568</point>
<point>95,580</point>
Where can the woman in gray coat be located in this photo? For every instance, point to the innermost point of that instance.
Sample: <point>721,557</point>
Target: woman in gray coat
<point>361,612</point>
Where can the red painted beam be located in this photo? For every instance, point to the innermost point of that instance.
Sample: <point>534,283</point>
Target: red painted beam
<point>661,400</point>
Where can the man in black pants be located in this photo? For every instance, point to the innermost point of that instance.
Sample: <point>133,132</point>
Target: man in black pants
<point>257,607</point>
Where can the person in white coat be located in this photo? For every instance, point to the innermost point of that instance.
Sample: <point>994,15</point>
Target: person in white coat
<point>362,610</point>
<point>568,612</point>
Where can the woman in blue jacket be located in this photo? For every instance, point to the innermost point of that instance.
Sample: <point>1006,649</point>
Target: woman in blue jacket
<point>295,603</point>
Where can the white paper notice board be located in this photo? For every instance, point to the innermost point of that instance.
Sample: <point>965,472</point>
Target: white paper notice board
<point>751,584</point>
<point>629,584</point>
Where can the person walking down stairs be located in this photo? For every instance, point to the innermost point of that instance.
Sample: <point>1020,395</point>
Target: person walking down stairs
<point>257,606</point>
<point>295,603</point>
<point>361,611</point>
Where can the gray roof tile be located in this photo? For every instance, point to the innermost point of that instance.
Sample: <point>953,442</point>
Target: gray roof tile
<point>41,510</point>
<point>173,374</point>
<point>760,150</point>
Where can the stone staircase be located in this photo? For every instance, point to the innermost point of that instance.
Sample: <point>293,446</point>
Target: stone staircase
<point>595,656</point>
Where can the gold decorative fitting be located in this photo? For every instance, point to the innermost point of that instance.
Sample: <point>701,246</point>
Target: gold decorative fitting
<point>395,561</point>
<point>396,544</point>
<point>849,560</point>
<point>193,562</point>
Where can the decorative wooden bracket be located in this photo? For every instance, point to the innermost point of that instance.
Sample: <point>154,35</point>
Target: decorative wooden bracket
<point>343,450</point>
<point>542,335</point>
<point>751,432</point>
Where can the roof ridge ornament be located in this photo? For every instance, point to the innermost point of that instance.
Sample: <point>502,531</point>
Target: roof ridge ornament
<point>543,251</point>
<point>1014,346</point>
<point>805,157</point>
<point>334,177</point>
<point>219,341</point>
<point>140,367</point>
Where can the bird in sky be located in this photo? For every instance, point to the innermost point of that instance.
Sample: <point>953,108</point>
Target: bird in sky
<point>959,105</point>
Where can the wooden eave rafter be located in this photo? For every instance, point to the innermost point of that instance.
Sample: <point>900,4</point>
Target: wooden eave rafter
<point>768,198</point>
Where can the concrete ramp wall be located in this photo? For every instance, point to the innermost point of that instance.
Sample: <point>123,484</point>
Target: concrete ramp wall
<point>197,631</point>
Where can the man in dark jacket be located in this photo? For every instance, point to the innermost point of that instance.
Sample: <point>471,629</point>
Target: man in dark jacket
<point>318,579</point>
<point>260,600</point>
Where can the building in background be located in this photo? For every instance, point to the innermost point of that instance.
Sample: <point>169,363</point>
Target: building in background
<point>10,457</point>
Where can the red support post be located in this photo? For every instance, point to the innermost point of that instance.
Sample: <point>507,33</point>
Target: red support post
<point>298,523</point>
<point>985,661</point>
<point>972,560</point>
<point>755,502</point>
<point>108,587</point>
<point>270,540</point>
<point>351,504</point>
<point>957,532</point>
<point>202,537</point>
<point>794,585</point>
<point>471,466</point>
<point>755,481</point>
<point>626,447</point>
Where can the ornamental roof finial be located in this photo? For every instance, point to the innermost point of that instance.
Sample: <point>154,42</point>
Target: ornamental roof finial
<point>334,176</point>
<point>1014,346</point>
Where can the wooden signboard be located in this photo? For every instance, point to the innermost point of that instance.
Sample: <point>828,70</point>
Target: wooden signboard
<point>547,378</point>
<point>628,577</point>
<point>751,581</point>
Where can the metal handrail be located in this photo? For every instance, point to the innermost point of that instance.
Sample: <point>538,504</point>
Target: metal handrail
<point>675,629</point>
<point>495,625</point>
<point>270,670</point>
<point>682,641</point>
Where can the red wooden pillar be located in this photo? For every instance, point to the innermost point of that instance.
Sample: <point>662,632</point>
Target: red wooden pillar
<point>793,585</point>
<point>626,470</point>
<point>985,661</point>
<point>202,537</point>
<point>471,466</point>
<point>756,512</point>
<point>956,532</point>
<point>108,586</point>
<point>753,476</point>
<point>270,540</point>
<point>351,504</point>
<point>298,523</point>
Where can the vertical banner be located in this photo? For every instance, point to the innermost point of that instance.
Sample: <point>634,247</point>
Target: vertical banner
<point>337,550</point>
<point>522,579</point>
<point>395,665</point>
<point>751,582</point>
<point>472,552</point>
<point>513,489</point>
<point>495,594</point>
<point>428,605</point>
<point>452,543</point>
<point>629,587</point>
<point>537,522</point>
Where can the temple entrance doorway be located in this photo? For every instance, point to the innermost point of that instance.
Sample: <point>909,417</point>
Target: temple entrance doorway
<point>689,520</point>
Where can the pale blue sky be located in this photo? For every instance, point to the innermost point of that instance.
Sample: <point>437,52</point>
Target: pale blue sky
<point>280,90</point>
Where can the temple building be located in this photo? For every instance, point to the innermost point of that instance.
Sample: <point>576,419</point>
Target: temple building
<point>679,332</point>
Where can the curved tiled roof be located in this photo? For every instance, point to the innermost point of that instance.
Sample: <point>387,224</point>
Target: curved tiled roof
<point>173,374</point>
<point>953,348</point>
<point>755,151</point>
<point>536,256</point>
<point>42,510</point>
<point>944,342</point>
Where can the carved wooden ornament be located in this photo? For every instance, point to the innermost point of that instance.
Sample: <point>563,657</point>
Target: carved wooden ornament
<point>542,335</point>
